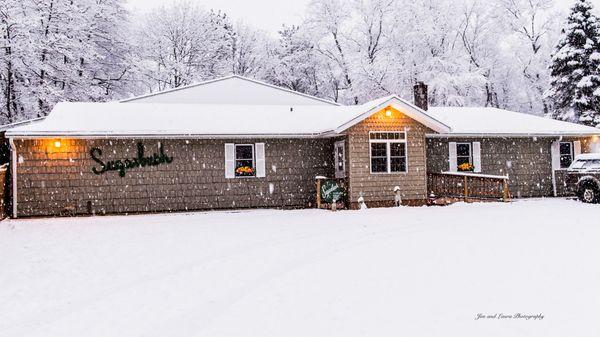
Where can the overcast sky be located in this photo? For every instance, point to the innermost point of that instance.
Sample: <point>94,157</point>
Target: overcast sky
<point>269,15</point>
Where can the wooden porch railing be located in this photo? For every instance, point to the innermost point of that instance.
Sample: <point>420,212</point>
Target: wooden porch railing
<point>468,186</point>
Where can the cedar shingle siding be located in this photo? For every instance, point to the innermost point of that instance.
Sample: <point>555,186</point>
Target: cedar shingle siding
<point>527,161</point>
<point>60,181</point>
<point>378,188</point>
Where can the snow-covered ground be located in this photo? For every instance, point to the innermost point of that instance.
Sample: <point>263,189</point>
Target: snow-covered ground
<point>380,272</point>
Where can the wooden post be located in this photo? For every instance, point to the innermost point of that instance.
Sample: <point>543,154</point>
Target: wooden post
<point>466,190</point>
<point>319,193</point>
<point>505,191</point>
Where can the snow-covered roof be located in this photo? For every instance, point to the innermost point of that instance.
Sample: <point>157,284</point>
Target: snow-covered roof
<point>20,123</point>
<point>493,122</point>
<point>145,119</point>
<point>237,120</point>
<point>210,120</point>
<point>231,89</point>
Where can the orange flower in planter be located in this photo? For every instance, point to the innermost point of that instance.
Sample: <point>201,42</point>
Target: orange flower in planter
<point>466,167</point>
<point>244,170</point>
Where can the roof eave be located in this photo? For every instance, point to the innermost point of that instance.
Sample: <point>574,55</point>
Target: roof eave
<point>182,135</point>
<point>407,108</point>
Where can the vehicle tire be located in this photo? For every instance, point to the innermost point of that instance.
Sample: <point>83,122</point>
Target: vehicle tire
<point>588,193</point>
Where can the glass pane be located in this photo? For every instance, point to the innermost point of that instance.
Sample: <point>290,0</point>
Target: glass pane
<point>243,152</point>
<point>378,164</point>
<point>565,161</point>
<point>378,150</point>
<point>579,164</point>
<point>244,168</point>
<point>386,135</point>
<point>398,149</point>
<point>398,164</point>
<point>565,148</point>
<point>463,149</point>
<point>463,160</point>
<point>595,164</point>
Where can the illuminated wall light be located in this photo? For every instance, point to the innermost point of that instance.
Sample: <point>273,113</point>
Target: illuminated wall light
<point>388,112</point>
<point>57,144</point>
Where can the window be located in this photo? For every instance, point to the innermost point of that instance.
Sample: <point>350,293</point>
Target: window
<point>566,154</point>
<point>244,160</point>
<point>586,164</point>
<point>388,152</point>
<point>340,159</point>
<point>463,154</point>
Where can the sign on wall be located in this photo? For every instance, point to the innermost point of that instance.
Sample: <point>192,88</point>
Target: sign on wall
<point>331,190</point>
<point>122,165</point>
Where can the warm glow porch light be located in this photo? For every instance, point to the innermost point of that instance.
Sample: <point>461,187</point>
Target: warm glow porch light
<point>388,112</point>
<point>57,144</point>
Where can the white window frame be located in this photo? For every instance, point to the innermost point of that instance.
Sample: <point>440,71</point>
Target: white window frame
<point>572,154</point>
<point>470,152</point>
<point>235,160</point>
<point>389,152</point>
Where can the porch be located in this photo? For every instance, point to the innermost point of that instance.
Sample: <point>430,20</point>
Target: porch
<point>466,186</point>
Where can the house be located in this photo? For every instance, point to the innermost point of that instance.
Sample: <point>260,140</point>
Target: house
<point>240,143</point>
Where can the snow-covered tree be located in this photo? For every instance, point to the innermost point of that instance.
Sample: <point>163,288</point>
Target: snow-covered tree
<point>297,65</point>
<point>476,31</point>
<point>60,50</point>
<point>575,68</point>
<point>376,20</point>
<point>181,43</point>
<point>530,25</point>
<point>328,21</point>
<point>13,43</point>
<point>111,69</point>
<point>430,52</point>
<point>248,51</point>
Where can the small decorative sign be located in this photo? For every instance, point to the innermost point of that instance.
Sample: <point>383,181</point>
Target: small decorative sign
<point>331,190</point>
<point>122,165</point>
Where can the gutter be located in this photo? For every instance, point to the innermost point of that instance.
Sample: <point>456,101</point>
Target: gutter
<point>326,134</point>
<point>509,135</point>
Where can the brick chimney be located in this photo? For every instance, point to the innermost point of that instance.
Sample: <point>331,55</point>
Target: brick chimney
<point>420,90</point>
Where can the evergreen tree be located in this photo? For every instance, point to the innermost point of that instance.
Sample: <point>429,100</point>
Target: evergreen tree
<point>575,68</point>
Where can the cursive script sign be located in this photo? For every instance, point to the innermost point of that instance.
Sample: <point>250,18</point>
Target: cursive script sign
<point>122,165</point>
<point>332,191</point>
